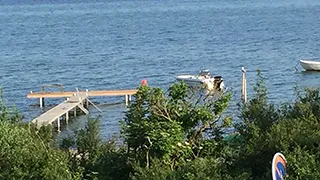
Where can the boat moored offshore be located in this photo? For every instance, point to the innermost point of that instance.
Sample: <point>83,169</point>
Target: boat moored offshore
<point>310,65</point>
<point>203,80</point>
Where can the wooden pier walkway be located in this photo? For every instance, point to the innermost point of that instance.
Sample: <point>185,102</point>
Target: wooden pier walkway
<point>63,109</point>
<point>77,99</point>
<point>41,95</point>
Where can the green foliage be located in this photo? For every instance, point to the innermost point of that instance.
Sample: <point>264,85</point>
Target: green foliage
<point>292,129</point>
<point>307,105</point>
<point>258,111</point>
<point>303,164</point>
<point>23,156</point>
<point>202,168</point>
<point>158,171</point>
<point>89,149</point>
<point>198,169</point>
<point>29,153</point>
<point>171,127</point>
<point>178,91</point>
<point>149,129</point>
<point>88,141</point>
<point>93,158</point>
<point>255,150</point>
<point>45,133</point>
<point>260,89</point>
<point>114,163</point>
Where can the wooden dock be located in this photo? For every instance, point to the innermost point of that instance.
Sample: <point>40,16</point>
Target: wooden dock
<point>63,109</point>
<point>41,95</point>
<point>77,99</point>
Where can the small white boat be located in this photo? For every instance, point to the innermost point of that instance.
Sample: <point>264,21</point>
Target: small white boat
<point>204,80</point>
<point>310,65</point>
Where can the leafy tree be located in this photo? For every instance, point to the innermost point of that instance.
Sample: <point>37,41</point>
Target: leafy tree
<point>303,164</point>
<point>149,129</point>
<point>171,127</point>
<point>88,150</point>
<point>114,163</point>
<point>258,111</point>
<point>94,158</point>
<point>25,153</point>
<point>258,116</point>
<point>23,156</point>
<point>292,129</point>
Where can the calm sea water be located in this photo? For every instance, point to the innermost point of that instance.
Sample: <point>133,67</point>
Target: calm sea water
<point>116,44</point>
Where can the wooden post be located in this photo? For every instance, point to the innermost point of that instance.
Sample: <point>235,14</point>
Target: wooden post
<point>58,124</point>
<point>75,111</point>
<point>126,99</point>
<point>67,117</point>
<point>87,102</point>
<point>129,98</point>
<point>244,86</point>
<point>245,90</point>
<point>41,103</point>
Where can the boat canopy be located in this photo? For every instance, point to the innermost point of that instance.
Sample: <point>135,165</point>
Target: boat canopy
<point>204,72</point>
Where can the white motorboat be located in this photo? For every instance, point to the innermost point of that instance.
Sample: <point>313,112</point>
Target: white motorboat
<point>310,65</point>
<point>204,80</point>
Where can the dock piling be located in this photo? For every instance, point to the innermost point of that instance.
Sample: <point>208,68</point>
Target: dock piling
<point>67,117</point>
<point>58,124</point>
<point>41,102</point>
<point>244,86</point>
<point>55,114</point>
<point>126,100</point>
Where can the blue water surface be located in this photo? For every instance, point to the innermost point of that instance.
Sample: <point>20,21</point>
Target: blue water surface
<point>115,44</point>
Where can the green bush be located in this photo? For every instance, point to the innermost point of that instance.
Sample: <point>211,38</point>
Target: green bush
<point>23,156</point>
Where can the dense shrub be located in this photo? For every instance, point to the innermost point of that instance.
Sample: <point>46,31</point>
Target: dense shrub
<point>23,156</point>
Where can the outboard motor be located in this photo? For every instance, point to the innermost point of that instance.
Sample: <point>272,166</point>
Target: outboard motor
<point>218,83</point>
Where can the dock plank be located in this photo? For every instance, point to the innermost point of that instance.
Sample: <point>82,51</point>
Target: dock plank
<point>61,109</point>
<point>90,93</point>
<point>54,113</point>
<point>74,100</point>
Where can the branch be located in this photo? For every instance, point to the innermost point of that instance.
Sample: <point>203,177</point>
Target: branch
<point>177,113</point>
<point>199,132</point>
<point>157,111</point>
